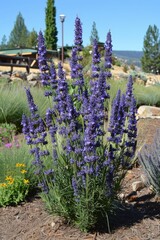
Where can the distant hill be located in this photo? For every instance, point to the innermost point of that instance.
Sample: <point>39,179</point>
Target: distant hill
<point>130,57</point>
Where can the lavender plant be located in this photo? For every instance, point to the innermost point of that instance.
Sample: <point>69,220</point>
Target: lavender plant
<point>83,178</point>
<point>149,159</point>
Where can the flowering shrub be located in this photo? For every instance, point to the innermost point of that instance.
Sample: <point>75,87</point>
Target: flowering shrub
<point>16,163</point>
<point>15,187</point>
<point>81,175</point>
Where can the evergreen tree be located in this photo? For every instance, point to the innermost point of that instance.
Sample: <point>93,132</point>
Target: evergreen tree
<point>19,35</point>
<point>94,34</point>
<point>32,39</point>
<point>151,50</point>
<point>4,42</point>
<point>51,29</point>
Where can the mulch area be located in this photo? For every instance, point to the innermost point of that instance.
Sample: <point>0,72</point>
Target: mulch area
<point>137,219</point>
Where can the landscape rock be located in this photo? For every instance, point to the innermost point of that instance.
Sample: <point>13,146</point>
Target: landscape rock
<point>33,83</point>
<point>5,73</point>
<point>33,77</point>
<point>137,186</point>
<point>152,81</point>
<point>15,79</point>
<point>18,74</point>
<point>148,112</point>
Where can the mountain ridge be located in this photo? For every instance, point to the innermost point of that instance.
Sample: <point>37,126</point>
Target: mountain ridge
<point>129,57</point>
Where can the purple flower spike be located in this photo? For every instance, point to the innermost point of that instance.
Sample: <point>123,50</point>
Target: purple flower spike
<point>117,119</point>
<point>53,76</point>
<point>108,54</point>
<point>42,61</point>
<point>129,91</point>
<point>78,34</point>
<point>131,109</point>
<point>131,129</point>
<point>33,108</point>
<point>76,58</point>
<point>96,58</point>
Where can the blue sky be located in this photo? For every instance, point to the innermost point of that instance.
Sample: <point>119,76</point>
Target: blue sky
<point>127,20</point>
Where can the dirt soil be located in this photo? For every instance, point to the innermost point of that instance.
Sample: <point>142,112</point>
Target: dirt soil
<point>138,218</point>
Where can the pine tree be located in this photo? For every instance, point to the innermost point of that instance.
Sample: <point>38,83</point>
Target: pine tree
<point>19,35</point>
<point>32,39</point>
<point>151,50</point>
<point>51,29</point>
<point>94,34</point>
<point>3,42</point>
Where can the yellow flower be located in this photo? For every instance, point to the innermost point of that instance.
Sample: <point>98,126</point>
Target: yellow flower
<point>3,184</point>
<point>8,178</point>
<point>26,181</point>
<point>11,182</point>
<point>23,171</point>
<point>20,165</point>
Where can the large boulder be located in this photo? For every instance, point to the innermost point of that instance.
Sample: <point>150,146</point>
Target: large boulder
<point>148,112</point>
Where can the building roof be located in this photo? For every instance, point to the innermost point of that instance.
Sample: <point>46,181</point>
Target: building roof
<point>21,51</point>
<point>16,51</point>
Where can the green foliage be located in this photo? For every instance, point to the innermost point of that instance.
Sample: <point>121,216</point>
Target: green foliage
<point>94,34</point>
<point>149,158</point>
<point>51,29</point>
<point>7,131</point>
<point>151,50</point>
<point>125,68</point>
<point>16,175</point>
<point>19,35</point>
<point>132,67</point>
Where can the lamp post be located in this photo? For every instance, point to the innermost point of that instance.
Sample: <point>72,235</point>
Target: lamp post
<point>62,18</point>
